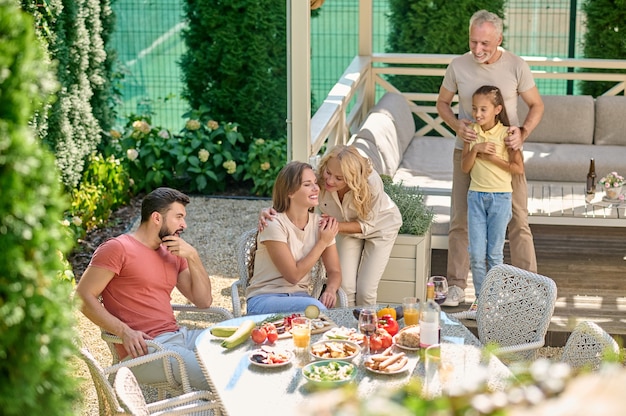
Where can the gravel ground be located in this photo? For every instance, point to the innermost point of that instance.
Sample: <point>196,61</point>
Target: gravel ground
<point>213,227</point>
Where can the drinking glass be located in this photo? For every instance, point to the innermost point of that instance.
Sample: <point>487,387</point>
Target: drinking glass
<point>441,288</point>
<point>410,310</point>
<point>367,325</point>
<point>301,332</point>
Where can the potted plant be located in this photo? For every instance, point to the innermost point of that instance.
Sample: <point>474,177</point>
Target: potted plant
<point>409,262</point>
<point>612,185</point>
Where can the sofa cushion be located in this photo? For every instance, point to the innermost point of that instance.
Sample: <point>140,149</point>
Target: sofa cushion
<point>610,121</point>
<point>367,148</point>
<point>377,140</point>
<point>570,162</point>
<point>389,128</point>
<point>427,163</point>
<point>396,107</point>
<point>566,119</point>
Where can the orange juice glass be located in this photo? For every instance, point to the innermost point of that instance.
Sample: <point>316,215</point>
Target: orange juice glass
<point>410,308</point>
<point>301,332</point>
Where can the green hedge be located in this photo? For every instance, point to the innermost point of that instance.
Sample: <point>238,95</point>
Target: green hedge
<point>605,38</point>
<point>36,320</point>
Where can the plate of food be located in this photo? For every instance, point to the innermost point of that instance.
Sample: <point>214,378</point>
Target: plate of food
<point>343,333</point>
<point>335,350</point>
<point>387,363</point>
<point>329,373</point>
<point>267,356</point>
<point>408,338</point>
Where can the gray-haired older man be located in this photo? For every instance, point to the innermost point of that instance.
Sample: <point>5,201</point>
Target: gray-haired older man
<point>487,63</point>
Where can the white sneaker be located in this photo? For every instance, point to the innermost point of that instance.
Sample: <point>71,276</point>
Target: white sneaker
<point>456,295</point>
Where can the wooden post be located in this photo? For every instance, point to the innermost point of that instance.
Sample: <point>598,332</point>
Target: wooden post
<point>298,80</point>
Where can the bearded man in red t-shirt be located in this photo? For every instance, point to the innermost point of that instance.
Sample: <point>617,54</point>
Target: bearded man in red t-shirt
<point>134,274</point>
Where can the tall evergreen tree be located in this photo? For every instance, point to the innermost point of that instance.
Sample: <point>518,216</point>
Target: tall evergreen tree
<point>236,63</point>
<point>605,38</point>
<point>432,26</point>
<point>72,30</point>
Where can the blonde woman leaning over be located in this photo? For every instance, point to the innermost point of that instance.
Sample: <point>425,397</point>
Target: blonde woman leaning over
<point>352,192</point>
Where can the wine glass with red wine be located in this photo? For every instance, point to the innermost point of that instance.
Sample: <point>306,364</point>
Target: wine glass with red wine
<point>368,321</point>
<point>441,288</point>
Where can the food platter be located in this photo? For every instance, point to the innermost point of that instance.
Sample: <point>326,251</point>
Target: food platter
<point>284,357</point>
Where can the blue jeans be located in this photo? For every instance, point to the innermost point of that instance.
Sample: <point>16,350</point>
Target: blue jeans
<point>488,214</point>
<point>281,302</point>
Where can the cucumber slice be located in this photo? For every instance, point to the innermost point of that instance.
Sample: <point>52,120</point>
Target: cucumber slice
<point>312,312</point>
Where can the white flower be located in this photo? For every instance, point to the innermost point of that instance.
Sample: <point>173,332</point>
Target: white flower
<point>203,155</point>
<point>230,166</point>
<point>77,221</point>
<point>192,125</point>
<point>132,154</point>
<point>164,134</point>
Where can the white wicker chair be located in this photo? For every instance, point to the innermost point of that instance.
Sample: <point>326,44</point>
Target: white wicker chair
<point>132,400</point>
<point>169,385</point>
<point>587,345</point>
<point>514,311</point>
<point>246,249</point>
<point>107,400</point>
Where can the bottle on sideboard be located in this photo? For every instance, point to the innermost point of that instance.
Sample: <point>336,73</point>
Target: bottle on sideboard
<point>429,319</point>
<point>591,177</point>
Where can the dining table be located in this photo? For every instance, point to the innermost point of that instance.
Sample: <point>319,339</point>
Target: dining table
<point>242,386</point>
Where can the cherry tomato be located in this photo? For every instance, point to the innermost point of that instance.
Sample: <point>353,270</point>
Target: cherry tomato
<point>259,335</point>
<point>385,338</point>
<point>376,343</point>
<point>272,336</point>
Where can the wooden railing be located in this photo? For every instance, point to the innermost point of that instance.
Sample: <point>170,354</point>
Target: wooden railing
<point>347,104</point>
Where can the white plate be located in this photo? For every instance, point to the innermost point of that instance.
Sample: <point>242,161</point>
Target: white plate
<point>402,347</point>
<point>258,351</point>
<point>343,334</point>
<point>406,367</point>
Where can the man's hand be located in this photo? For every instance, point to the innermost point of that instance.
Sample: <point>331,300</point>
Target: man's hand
<point>514,140</point>
<point>134,343</point>
<point>178,247</point>
<point>464,131</point>
<point>267,214</point>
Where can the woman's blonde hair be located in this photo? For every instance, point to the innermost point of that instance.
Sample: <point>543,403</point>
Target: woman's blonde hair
<point>287,182</point>
<point>355,170</point>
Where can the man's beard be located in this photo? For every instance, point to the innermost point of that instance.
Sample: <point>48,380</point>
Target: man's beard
<point>164,232</point>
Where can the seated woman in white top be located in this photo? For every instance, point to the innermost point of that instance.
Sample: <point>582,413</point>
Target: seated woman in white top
<point>289,247</point>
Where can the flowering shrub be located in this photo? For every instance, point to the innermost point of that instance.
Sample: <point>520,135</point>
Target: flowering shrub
<point>205,157</point>
<point>145,152</point>
<point>612,180</point>
<point>209,155</point>
<point>265,159</point>
<point>103,188</point>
